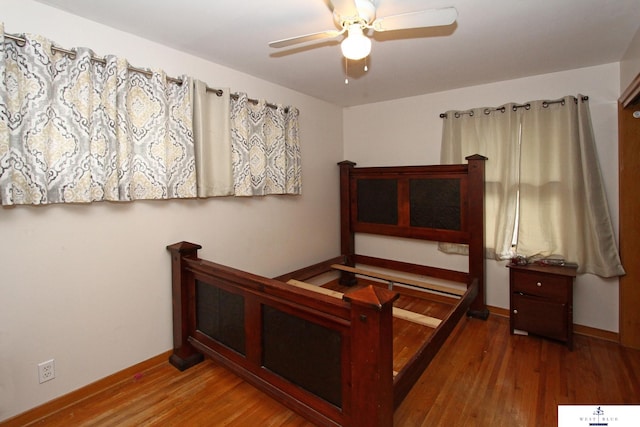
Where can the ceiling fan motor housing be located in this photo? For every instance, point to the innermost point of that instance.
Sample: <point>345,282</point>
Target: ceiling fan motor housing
<point>366,10</point>
<point>366,13</point>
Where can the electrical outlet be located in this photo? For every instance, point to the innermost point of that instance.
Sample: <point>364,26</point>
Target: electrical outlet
<point>46,371</point>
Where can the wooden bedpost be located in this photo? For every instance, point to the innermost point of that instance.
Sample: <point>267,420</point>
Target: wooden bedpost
<point>347,240</point>
<point>183,289</point>
<point>371,357</point>
<point>476,243</point>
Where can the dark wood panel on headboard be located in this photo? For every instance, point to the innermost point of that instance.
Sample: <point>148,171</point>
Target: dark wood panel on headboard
<point>436,203</point>
<point>377,201</point>
<point>420,202</point>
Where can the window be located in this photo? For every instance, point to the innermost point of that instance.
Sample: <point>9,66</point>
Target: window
<point>544,191</point>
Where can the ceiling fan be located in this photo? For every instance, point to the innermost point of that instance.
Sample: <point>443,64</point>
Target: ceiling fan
<point>354,17</point>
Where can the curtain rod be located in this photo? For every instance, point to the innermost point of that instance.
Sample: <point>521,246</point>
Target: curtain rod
<point>21,42</point>
<point>526,106</point>
<point>219,92</point>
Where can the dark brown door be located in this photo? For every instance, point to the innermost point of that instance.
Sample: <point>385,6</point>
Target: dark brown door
<point>629,176</point>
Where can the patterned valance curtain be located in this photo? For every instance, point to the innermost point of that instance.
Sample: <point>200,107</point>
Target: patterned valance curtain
<point>74,129</point>
<point>542,174</point>
<point>265,148</point>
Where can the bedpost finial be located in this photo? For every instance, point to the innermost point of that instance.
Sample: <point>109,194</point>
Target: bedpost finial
<point>348,163</point>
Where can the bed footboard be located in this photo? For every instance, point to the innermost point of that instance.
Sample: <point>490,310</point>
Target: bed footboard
<point>328,359</point>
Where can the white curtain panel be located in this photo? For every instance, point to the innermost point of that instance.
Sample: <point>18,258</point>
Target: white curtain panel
<point>492,132</point>
<point>563,206</point>
<point>77,130</point>
<point>543,171</point>
<point>212,138</point>
<point>265,148</point>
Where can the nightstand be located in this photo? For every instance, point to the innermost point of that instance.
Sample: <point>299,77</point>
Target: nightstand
<point>541,301</point>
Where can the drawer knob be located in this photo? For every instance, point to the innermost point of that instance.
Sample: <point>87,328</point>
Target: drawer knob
<point>515,311</point>
<point>538,284</point>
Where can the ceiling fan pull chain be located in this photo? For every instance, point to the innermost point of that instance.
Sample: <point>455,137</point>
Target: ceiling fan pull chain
<point>346,71</point>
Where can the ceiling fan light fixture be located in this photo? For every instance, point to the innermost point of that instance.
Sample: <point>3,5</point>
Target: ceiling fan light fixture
<point>356,45</point>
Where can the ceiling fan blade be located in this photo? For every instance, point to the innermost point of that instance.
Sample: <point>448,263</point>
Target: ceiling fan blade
<point>344,7</point>
<point>305,38</point>
<point>425,18</point>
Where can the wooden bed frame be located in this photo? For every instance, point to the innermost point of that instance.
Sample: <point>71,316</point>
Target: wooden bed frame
<point>329,355</point>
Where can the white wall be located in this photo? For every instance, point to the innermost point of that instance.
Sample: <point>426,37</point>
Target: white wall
<point>408,131</point>
<point>630,64</point>
<point>89,285</point>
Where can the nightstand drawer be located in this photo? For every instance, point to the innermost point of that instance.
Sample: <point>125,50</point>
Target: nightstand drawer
<point>533,283</point>
<point>539,316</point>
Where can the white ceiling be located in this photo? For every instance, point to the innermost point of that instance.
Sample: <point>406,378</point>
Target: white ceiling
<point>492,40</point>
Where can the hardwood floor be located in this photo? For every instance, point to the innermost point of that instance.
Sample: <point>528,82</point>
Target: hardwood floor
<point>483,376</point>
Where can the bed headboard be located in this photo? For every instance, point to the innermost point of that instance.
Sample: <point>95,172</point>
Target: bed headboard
<point>443,203</point>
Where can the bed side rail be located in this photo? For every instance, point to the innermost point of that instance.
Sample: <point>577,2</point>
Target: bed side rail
<point>407,377</point>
